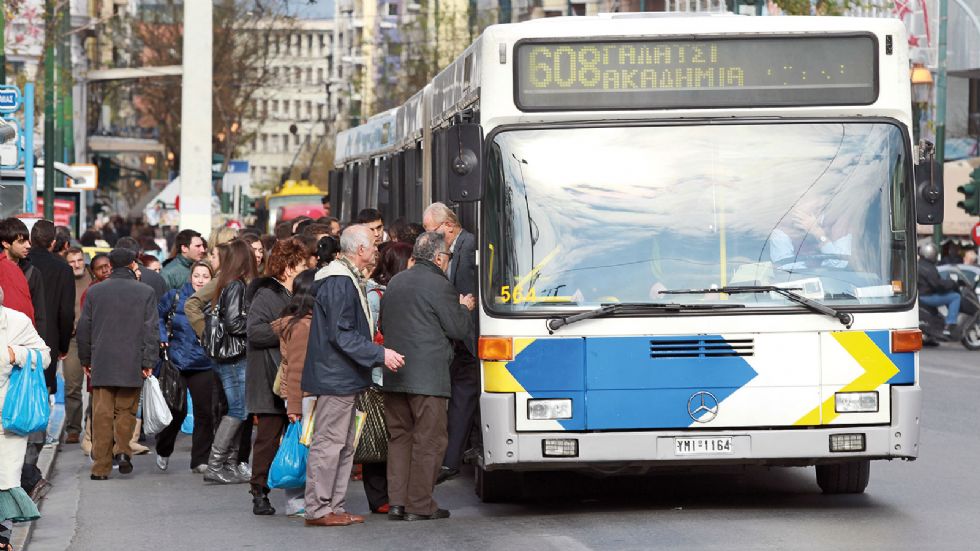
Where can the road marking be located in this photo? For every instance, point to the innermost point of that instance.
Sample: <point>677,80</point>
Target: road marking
<point>951,373</point>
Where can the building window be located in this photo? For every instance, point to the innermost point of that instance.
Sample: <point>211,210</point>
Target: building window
<point>285,142</point>
<point>393,8</point>
<point>309,45</point>
<point>319,75</point>
<point>309,109</point>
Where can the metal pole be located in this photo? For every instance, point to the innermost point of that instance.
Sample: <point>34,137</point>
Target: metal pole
<point>937,233</point>
<point>195,118</point>
<point>65,89</point>
<point>50,154</point>
<point>59,78</point>
<point>3,47</point>
<point>30,186</point>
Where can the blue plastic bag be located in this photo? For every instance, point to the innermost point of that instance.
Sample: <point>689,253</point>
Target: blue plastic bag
<point>289,467</point>
<point>26,408</point>
<point>187,427</point>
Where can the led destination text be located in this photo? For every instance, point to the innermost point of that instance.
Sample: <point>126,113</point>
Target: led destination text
<point>703,73</point>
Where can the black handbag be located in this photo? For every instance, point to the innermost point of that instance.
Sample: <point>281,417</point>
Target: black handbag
<point>219,345</point>
<point>172,385</point>
<point>373,445</point>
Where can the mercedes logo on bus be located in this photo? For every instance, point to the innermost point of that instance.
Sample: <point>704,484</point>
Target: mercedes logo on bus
<point>702,406</point>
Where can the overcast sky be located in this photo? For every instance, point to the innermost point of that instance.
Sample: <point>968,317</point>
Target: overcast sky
<point>319,9</point>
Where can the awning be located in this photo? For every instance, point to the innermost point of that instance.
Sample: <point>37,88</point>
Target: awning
<point>114,144</point>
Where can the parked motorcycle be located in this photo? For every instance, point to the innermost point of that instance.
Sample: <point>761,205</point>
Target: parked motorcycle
<point>932,320</point>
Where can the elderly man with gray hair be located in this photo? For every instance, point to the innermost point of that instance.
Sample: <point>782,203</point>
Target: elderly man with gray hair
<point>421,314</point>
<point>339,359</point>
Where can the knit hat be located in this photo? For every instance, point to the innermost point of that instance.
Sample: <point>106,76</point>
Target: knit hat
<point>121,258</point>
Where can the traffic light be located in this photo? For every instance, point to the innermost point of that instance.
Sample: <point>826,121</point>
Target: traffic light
<point>971,194</point>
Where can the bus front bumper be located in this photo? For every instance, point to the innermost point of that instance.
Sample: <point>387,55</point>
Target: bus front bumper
<point>505,448</point>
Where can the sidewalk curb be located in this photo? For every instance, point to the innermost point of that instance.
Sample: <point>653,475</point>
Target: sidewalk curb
<point>21,536</point>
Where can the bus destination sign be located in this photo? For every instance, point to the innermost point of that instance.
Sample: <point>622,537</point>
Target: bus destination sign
<point>698,73</point>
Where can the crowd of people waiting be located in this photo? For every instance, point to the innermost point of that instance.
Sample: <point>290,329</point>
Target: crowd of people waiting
<point>313,323</point>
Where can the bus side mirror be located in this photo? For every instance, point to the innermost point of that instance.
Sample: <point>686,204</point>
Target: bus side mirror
<point>461,163</point>
<point>928,187</point>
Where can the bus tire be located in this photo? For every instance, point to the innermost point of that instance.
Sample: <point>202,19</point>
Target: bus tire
<point>846,477</point>
<point>498,486</point>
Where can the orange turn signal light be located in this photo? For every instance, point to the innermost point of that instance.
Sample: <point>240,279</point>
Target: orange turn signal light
<point>907,340</point>
<point>496,348</point>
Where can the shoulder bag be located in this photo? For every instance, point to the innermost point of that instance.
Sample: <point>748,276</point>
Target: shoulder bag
<point>172,385</point>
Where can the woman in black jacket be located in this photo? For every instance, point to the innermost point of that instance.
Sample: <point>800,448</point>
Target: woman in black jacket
<point>267,298</point>
<point>237,270</point>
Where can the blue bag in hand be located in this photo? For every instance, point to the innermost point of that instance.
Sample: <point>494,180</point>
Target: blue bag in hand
<point>26,408</point>
<point>289,467</point>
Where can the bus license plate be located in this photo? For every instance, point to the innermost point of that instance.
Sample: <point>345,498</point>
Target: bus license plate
<point>703,446</point>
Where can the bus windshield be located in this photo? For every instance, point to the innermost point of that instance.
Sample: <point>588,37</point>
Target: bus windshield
<point>579,217</point>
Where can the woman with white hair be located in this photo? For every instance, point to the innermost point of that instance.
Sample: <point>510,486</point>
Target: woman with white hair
<point>19,338</point>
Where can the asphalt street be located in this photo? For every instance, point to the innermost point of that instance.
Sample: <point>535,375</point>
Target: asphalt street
<point>926,504</point>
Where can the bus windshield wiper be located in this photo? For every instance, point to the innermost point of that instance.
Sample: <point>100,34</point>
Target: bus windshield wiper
<point>606,309</point>
<point>844,317</point>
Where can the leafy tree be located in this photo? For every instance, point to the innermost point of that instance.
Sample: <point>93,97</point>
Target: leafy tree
<point>241,65</point>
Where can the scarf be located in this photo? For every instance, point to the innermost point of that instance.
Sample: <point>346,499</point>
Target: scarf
<point>343,267</point>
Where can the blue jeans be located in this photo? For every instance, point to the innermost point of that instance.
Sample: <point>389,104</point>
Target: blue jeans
<point>233,381</point>
<point>950,300</point>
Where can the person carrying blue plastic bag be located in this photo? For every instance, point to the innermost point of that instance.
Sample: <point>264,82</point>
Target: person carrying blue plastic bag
<point>289,466</point>
<point>18,340</point>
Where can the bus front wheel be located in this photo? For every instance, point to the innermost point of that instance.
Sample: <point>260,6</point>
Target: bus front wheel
<point>498,486</point>
<point>847,477</point>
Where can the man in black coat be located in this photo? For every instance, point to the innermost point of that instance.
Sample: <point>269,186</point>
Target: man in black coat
<point>421,316</point>
<point>339,359</point>
<point>59,293</point>
<point>465,369</point>
<point>118,345</point>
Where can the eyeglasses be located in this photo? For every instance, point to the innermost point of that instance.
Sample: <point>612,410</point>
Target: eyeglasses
<point>449,256</point>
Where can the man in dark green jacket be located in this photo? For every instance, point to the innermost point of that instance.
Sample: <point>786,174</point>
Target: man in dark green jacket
<point>189,246</point>
<point>420,314</point>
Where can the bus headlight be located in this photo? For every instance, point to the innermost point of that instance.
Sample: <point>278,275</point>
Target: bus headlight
<point>856,402</point>
<point>550,408</point>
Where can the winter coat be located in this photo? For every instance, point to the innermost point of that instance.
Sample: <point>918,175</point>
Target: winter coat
<point>17,332</point>
<point>420,313</point>
<point>59,298</point>
<point>234,313</point>
<point>196,305</point>
<point>17,294</point>
<point>266,298</point>
<point>462,274</point>
<point>118,335</point>
<point>177,271</point>
<point>293,344</point>
<point>185,351</point>
<point>341,352</point>
<point>930,282</point>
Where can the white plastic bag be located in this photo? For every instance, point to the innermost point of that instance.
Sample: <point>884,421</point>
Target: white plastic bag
<point>156,412</point>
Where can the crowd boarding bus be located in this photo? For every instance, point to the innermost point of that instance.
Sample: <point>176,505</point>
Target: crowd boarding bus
<point>696,238</point>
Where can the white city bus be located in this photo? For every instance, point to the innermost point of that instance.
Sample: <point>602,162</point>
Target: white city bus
<point>696,238</point>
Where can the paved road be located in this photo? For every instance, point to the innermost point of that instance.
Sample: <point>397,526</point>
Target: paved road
<point>927,504</point>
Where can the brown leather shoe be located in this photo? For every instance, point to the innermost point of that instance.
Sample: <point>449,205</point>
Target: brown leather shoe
<point>71,438</point>
<point>329,520</point>
<point>355,519</point>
